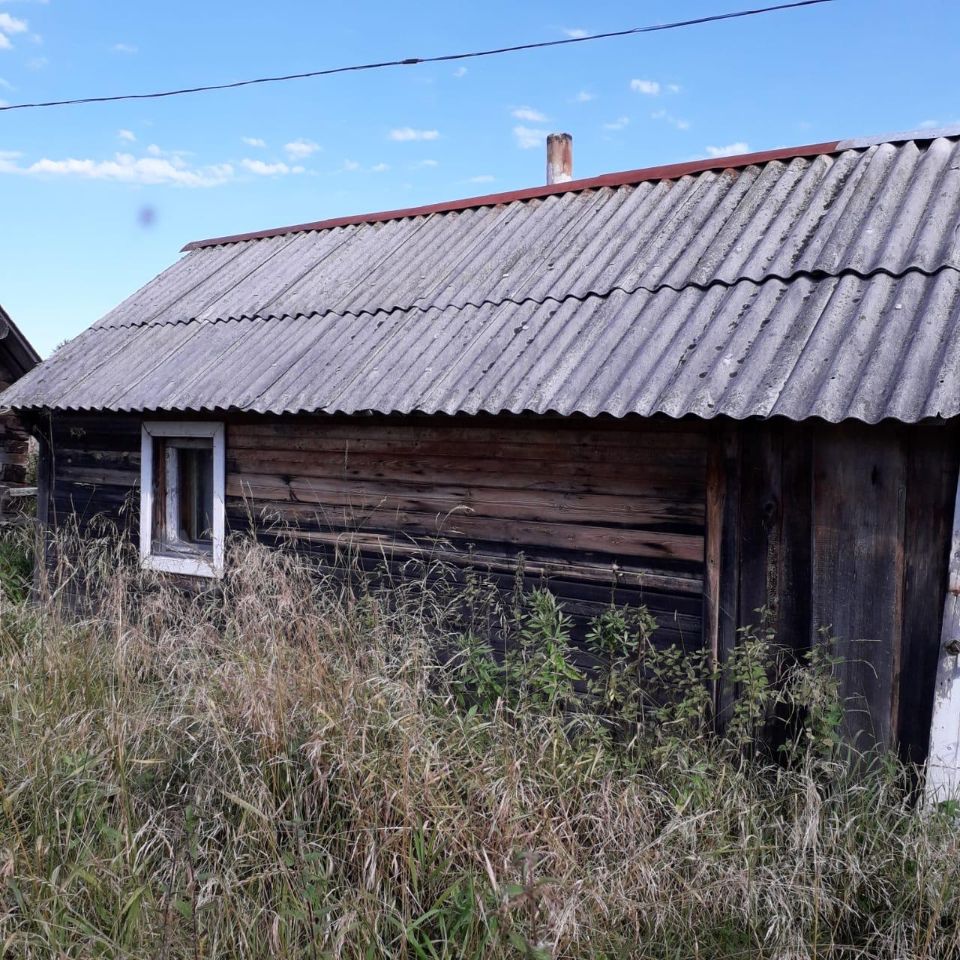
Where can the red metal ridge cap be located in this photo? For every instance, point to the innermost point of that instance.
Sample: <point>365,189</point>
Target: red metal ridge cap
<point>671,171</point>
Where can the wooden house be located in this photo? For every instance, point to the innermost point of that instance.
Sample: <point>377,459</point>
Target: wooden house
<point>17,357</point>
<point>709,387</point>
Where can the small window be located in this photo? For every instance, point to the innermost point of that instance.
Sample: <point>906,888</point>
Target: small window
<point>181,497</point>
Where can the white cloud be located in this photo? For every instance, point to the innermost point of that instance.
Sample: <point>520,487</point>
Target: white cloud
<point>37,63</point>
<point>123,168</point>
<point>483,178</point>
<point>666,117</point>
<point>617,124</point>
<point>300,149</point>
<point>254,141</point>
<point>350,165</point>
<point>409,133</point>
<point>127,48</point>
<point>10,26</point>
<point>928,124</point>
<point>380,168</point>
<point>650,88</point>
<point>176,157</point>
<point>262,169</point>
<point>127,135</point>
<point>925,124</point>
<point>674,88</point>
<point>576,33</point>
<point>584,96</point>
<point>730,150</point>
<point>425,163</point>
<point>6,84</point>
<point>460,72</point>
<point>529,114</point>
<point>529,137</point>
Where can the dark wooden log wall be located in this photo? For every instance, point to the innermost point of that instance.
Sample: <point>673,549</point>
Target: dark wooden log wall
<point>841,528</point>
<point>842,532</point>
<point>14,435</point>
<point>598,509</point>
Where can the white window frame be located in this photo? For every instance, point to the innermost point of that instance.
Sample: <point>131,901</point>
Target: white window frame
<point>201,565</point>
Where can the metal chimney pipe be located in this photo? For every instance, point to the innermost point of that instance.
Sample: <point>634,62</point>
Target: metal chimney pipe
<point>559,158</point>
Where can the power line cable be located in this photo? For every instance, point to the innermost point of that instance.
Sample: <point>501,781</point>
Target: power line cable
<point>414,61</point>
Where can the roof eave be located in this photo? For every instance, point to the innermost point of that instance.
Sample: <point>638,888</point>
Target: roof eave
<point>21,350</point>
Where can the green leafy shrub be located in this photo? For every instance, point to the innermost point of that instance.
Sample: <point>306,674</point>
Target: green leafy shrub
<point>540,672</point>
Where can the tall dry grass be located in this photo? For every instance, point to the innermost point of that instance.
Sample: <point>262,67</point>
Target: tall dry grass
<point>284,769</point>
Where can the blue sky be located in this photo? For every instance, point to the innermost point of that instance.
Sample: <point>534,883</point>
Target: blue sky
<point>95,200</point>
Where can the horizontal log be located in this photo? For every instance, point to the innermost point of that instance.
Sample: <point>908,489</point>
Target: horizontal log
<point>97,475</point>
<point>88,457</point>
<point>412,430</point>
<point>604,574</point>
<point>657,480</point>
<point>604,540</point>
<point>511,503</point>
<point>648,465</point>
<point>639,448</point>
<point>584,477</point>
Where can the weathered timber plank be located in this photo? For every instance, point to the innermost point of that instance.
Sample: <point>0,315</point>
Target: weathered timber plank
<point>794,624</point>
<point>481,558</point>
<point>611,540</point>
<point>716,492</point>
<point>601,478</point>
<point>415,430</point>
<point>859,514</point>
<point>932,467</point>
<point>636,454</point>
<point>722,553</point>
<point>126,459</point>
<point>677,613</point>
<point>760,517</point>
<point>462,447</point>
<point>108,477</point>
<point>510,503</point>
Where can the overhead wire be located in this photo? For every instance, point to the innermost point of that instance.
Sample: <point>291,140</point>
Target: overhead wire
<point>415,61</point>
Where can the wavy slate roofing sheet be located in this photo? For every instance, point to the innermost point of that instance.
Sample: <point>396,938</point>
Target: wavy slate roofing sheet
<point>822,284</point>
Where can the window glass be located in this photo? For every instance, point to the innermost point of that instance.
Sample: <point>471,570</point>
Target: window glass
<point>183,496</point>
<point>195,516</point>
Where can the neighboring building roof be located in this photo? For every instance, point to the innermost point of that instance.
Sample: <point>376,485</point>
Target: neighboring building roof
<point>19,351</point>
<point>821,281</point>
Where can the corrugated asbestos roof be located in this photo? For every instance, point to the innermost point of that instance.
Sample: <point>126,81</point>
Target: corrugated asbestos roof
<point>823,282</point>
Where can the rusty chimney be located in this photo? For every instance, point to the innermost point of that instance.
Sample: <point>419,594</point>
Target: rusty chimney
<point>559,158</point>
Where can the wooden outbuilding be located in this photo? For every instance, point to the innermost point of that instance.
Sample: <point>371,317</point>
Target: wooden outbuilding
<point>17,357</point>
<point>709,387</point>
